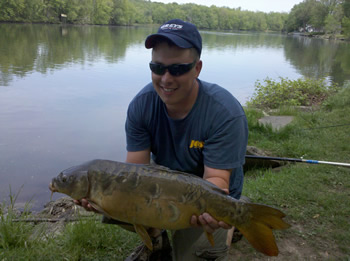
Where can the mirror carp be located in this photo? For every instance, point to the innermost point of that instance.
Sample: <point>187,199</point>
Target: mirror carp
<point>155,196</point>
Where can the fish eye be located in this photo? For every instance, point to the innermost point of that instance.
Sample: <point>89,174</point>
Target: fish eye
<point>64,178</point>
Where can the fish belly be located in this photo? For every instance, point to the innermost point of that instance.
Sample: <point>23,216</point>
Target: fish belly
<point>158,213</point>
<point>158,198</point>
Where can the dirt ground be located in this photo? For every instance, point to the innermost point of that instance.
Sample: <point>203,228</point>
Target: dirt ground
<point>291,247</point>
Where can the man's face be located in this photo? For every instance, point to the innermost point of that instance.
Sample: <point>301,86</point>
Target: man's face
<point>175,90</point>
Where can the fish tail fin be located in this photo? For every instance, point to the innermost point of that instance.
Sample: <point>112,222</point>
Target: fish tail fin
<point>258,228</point>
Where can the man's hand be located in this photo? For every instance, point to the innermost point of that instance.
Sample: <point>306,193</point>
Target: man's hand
<point>85,204</point>
<point>208,223</point>
<point>220,178</point>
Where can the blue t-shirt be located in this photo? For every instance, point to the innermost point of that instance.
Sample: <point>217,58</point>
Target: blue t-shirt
<point>214,133</point>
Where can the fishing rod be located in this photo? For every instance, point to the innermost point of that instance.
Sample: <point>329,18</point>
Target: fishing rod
<point>298,160</point>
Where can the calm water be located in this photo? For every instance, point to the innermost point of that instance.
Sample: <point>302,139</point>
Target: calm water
<point>64,91</point>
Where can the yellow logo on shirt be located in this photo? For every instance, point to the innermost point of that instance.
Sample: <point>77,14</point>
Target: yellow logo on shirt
<point>197,144</point>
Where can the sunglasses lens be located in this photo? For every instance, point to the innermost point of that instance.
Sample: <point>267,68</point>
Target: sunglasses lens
<point>178,69</point>
<point>157,68</point>
<point>174,69</point>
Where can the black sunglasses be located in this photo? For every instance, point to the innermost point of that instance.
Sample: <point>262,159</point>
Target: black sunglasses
<point>173,69</point>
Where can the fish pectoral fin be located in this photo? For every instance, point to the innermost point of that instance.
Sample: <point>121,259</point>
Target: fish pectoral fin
<point>98,208</point>
<point>141,230</point>
<point>210,238</point>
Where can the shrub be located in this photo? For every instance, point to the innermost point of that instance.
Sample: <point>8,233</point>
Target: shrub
<point>273,94</point>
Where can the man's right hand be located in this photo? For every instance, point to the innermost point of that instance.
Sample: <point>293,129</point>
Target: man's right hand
<point>86,205</point>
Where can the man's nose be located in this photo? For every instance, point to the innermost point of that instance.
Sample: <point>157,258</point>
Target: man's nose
<point>166,77</point>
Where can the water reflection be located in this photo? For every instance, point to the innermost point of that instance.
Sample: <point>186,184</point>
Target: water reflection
<point>316,58</point>
<point>43,48</point>
<point>215,40</point>
<point>64,91</point>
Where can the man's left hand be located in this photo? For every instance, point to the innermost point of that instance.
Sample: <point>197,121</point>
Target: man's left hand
<point>208,223</point>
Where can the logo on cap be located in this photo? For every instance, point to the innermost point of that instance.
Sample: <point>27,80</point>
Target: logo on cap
<point>171,26</point>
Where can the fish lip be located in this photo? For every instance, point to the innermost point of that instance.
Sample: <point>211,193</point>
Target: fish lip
<point>52,188</point>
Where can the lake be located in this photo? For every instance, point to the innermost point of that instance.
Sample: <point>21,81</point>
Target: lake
<point>64,90</point>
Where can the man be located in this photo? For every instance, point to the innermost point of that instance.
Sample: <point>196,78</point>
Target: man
<point>190,125</point>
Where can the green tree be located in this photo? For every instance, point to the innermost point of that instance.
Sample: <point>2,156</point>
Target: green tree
<point>12,10</point>
<point>53,9</point>
<point>246,23</point>
<point>73,11</point>
<point>318,15</point>
<point>346,26</point>
<point>259,21</point>
<point>276,21</point>
<point>127,12</point>
<point>299,16</point>
<point>346,18</point>
<point>332,25</point>
<point>174,10</point>
<point>122,12</point>
<point>34,11</point>
<point>334,19</point>
<point>346,8</point>
<point>143,12</point>
<point>102,11</point>
<point>159,14</point>
<point>225,18</point>
<point>198,15</point>
<point>212,18</point>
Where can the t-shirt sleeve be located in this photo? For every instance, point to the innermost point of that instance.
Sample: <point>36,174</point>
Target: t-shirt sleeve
<point>137,135</point>
<point>226,145</point>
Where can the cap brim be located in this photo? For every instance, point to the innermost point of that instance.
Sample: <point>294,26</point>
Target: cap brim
<point>178,41</point>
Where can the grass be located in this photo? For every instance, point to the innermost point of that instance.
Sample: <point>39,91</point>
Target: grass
<point>13,235</point>
<point>314,197</point>
<point>82,240</point>
<point>86,239</point>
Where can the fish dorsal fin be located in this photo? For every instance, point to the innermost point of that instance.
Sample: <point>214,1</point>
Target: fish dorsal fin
<point>157,167</point>
<point>184,174</point>
<point>144,236</point>
<point>219,190</point>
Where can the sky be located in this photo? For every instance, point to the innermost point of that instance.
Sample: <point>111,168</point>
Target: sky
<point>251,5</point>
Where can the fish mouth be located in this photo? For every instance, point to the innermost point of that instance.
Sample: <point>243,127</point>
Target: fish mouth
<point>52,188</point>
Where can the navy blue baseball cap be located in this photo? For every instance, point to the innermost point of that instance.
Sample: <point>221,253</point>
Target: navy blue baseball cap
<point>181,33</point>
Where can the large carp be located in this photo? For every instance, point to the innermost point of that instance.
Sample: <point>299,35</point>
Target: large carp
<point>155,196</point>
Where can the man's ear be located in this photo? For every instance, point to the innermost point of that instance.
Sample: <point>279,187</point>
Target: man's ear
<point>198,68</point>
